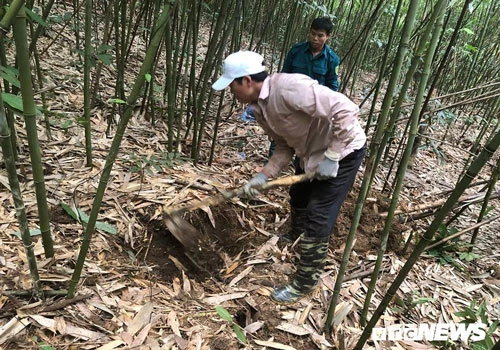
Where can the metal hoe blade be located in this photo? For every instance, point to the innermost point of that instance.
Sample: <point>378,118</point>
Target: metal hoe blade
<point>192,239</point>
<point>185,233</point>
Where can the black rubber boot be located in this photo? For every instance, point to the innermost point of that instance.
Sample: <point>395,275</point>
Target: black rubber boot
<point>311,264</point>
<point>297,227</point>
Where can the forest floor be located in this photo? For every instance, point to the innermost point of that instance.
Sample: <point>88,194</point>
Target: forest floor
<point>139,289</point>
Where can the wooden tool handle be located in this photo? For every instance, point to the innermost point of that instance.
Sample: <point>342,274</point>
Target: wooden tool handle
<point>224,196</point>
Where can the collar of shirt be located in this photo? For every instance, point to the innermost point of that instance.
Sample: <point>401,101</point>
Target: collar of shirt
<point>264,91</point>
<point>307,48</point>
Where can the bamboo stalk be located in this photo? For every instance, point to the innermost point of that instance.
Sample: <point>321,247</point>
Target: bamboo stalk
<point>487,197</point>
<point>108,13</point>
<point>370,165</point>
<point>29,112</point>
<point>382,68</point>
<point>461,92</point>
<point>9,16</point>
<point>10,114</point>
<point>40,28</point>
<point>87,91</point>
<point>15,189</point>
<point>435,25</point>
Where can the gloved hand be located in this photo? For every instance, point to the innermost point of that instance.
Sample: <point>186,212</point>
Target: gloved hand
<point>258,179</point>
<point>329,166</point>
<point>247,116</point>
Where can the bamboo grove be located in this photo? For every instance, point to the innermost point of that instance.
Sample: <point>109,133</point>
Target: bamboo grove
<point>435,64</point>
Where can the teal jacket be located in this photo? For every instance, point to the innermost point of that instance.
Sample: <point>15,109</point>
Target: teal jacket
<point>323,67</point>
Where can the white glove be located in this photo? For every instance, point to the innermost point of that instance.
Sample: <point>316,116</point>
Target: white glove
<point>257,180</point>
<point>328,167</point>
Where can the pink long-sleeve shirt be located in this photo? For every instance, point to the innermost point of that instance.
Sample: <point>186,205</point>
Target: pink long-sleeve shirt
<point>307,119</point>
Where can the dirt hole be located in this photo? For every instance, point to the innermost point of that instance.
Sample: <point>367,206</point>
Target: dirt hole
<point>169,257</point>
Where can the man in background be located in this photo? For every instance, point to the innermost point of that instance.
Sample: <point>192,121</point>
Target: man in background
<point>314,57</point>
<point>317,60</point>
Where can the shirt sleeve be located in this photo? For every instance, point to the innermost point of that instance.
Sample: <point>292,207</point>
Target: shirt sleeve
<point>282,154</point>
<point>281,157</point>
<point>332,78</point>
<point>287,65</point>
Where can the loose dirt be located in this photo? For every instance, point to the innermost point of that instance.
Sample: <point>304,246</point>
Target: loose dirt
<point>230,238</point>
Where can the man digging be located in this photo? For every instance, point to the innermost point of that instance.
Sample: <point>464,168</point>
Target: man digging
<point>318,125</point>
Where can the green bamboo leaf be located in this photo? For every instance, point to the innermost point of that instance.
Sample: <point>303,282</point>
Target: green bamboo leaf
<point>116,100</point>
<point>147,76</point>
<point>224,313</point>
<point>84,218</point>
<point>10,74</point>
<point>35,17</point>
<point>16,103</point>
<point>13,101</point>
<point>105,227</point>
<point>104,47</point>
<point>131,255</point>
<point>80,216</point>
<point>105,58</point>
<point>33,232</point>
<point>471,48</point>
<point>70,211</point>
<point>66,124</point>
<point>422,301</point>
<point>468,31</point>
<point>239,334</point>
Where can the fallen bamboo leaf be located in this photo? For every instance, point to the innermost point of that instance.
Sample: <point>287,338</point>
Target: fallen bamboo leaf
<point>186,284</point>
<point>304,314</point>
<point>141,337</point>
<point>102,307</point>
<point>231,268</point>
<point>266,291</point>
<point>254,327</point>
<point>219,299</point>
<point>293,329</point>
<point>274,345</point>
<point>210,215</point>
<point>320,341</point>
<point>473,287</point>
<point>173,323</point>
<point>177,263</point>
<point>256,261</point>
<point>269,245</point>
<point>234,265</point>
<point>341,312</point>
<point>240,276</point>
<point>12,328</point>
<point>60,324</point>
<point>69,329</point>
<point>141,319</point>
<point>112,345</point>
<point>264,232</point>
<point>127,338</point>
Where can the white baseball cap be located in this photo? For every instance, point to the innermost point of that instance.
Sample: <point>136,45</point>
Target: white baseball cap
<point>238,65</point>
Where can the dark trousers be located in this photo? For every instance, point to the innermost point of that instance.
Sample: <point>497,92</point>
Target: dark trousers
<point>323,198</point>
